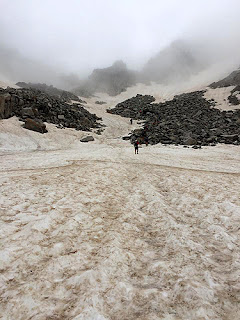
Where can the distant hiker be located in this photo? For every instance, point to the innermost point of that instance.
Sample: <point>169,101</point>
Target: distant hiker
<point>136,143</point>
<point>131,120</point>
<point>146,141</point>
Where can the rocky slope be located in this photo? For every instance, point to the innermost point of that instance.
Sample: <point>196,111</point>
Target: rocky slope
<point>188,119</point>
<point>63,95</point>
<point>35,107</point>
<point>231,80</point>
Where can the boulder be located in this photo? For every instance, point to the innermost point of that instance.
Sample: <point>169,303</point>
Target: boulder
<point>27,113</point>
<point>21,102</point>
<point>100,102</point>
<point>87,139</point>
<point>5,106</point>
<point>35,125</point>
<point>230,137</point>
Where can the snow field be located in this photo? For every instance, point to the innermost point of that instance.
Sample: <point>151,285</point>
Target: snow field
<point>93,231</point>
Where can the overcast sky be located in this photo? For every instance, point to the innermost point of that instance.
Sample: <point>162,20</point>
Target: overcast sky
<point>77,36</point>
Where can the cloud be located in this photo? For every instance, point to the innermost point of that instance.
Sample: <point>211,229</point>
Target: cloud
<point>77,36</point>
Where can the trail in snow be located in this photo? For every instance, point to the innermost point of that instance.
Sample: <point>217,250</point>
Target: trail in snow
<point>93,231</point>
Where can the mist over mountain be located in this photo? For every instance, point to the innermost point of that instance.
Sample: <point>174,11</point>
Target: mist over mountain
<point>60,43</point>
<point>112,80</point>
<point>177,58</point>
<point>176,62</point>
<point>15,67</point>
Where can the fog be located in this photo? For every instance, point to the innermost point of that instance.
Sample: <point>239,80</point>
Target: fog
<point>60,41</point>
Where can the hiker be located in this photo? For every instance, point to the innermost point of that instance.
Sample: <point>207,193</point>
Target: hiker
<point>131,121</point>
<point>146,141</point>
<point>136,143</point>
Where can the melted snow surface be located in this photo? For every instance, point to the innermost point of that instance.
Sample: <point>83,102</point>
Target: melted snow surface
<point>4,84</point>
<point>220,95</point>
<point>93,231</point>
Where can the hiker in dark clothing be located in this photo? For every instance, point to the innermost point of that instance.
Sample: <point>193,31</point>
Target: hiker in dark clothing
<point>131,121</point>
<point>136,143</point>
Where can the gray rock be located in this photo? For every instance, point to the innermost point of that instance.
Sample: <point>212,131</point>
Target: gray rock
<point>198,113</point>
<point>230,136</point>
<point>87,139</point>
<point>100,102</point>
<point>28,112</point>
<point>211,139</point>
<point>190,141</point>
<point>21,102</point>
<point>61,117</point>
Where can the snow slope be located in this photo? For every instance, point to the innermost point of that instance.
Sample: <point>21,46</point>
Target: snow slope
<point>5,84</point>
<point>93,231</point>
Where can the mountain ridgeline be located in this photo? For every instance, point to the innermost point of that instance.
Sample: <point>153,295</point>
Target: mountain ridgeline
<point>112,80</point>
<point>231,80</point>
<point>175,63</point>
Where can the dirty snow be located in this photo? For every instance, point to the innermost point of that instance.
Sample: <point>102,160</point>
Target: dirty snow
<point>93,231</point>
<point>4,84</point>
<point>220,95</point>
